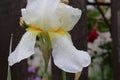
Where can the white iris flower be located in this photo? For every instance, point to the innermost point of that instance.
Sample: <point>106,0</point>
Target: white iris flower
<point>56,19</point>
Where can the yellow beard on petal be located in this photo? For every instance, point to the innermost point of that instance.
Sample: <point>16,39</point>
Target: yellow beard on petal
<point>33,29</point>
<point>60,31</point>
<point>52,33</point>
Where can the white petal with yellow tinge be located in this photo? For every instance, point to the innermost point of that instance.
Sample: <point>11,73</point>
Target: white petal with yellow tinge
<point>67,57</point>
<point>50,15</point>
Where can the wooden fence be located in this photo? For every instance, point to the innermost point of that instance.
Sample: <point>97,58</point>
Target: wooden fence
<point>115,28</point>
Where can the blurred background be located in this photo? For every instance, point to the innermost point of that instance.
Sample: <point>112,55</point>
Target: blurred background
<point>99,40</point>
<point>97,32</point>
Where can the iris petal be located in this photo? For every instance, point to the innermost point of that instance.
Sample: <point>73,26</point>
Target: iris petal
<point>24,49</point>
<point>69,16</point>
<point>40,13</point>
<point>67,57</point>
<point>58,15</point>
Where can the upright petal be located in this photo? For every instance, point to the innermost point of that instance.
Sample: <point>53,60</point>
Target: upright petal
<point>41,13</point>
<point>68,16</point>
<point>24,49</point>
<point>67,57</point>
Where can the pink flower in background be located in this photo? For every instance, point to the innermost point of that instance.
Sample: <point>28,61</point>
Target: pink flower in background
<point>92,35</point>
<point>32,73</point>
<point>31,69</point>
<point>37,78</point>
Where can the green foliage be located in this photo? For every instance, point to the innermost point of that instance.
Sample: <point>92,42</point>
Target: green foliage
<point>107,63</point>
<point>102,26</point>
<point>101,67</point>
<point>95,20</point>
<point>102,64</point>
<point>92,18</point>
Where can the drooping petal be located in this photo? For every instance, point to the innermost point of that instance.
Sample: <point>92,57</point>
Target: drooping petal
<point>67,57</point>
<point>41,13</point>
<point>24,49</point>
<point>69,16</point>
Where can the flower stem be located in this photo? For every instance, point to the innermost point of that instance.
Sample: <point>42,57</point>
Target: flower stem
<point>63,75</point>
<point>77,76</point>
<point>45,70</point>
<point>45,46</point>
